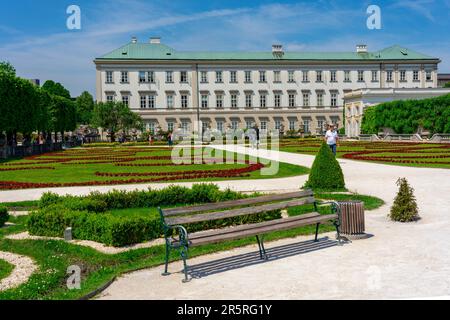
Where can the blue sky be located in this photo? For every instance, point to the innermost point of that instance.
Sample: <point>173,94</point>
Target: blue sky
<point>34,37</point>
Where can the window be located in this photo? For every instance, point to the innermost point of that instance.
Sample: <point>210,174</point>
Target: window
<point>277,124</point>
<point>234,124</point>
<point>169,76</point>
<point>234,101</point>
<point>263,100</point>
<point>204,77</point>
<point>109,98</point>
<point>170,101</point>
<point>248,76</point>
<point>334,97</point>
<point>374,76</point>
<point>170,126</point>
<point>415,75</point>
<point>276,76</point>
<point>204,100</point>
<point>306,126</point>
<point>183,77</point>
<point>389,76</point>
<point>205,126</point>
<point>220,126</point>
<point>291,100</point>
<point>263,125</point>
<point>248,124</point>
<point>233,76</point>
<point>143,102</point>
<point>277,100</point>
<point>360,76</point>
<point>306,99</point>
<point>403,75</point>
<point>219,101</point>
<point>219,78</point>
<point>428,75</point>
<point>109,77</point>
<point>185,126</point>
<point>262,76</point>
<point>146,77</point>
<point>124,77</point>
<point>151,101</point>
<point>347,76</point>
<point>126,100</point>
<point>292,125</point>
<point>318,76</point>
<point>320,99</point>
<point>184,101</point>
<point>321,126</point>
<point>305,76</point>
<point>248,100</point>
<point>151,126</point>
<point>291,76</point>
<point>333,76</point>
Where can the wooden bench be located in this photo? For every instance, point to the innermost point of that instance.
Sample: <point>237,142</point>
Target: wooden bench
<point>177,237</point>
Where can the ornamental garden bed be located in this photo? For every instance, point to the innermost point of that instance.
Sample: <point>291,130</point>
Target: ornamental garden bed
<point>130,165</point>
<point>399,153</point>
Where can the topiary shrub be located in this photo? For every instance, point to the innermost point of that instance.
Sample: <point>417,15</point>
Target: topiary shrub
<point>326,173</point>
<point>404,208</point>
<point>4,216</point>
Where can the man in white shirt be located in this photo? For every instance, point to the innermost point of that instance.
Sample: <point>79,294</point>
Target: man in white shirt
<point>332,138</point>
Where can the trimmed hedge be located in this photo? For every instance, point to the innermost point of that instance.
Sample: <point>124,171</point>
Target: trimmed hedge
<point>326,173</point>
<point>56,213</point>
<point>4,216</point>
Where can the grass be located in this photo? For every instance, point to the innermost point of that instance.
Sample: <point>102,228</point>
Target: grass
<point>53,257</point>
<point>81,166</point>
<point>395,153</point>
<point>5,269</point>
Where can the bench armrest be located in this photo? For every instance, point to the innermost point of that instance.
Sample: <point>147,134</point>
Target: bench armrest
<point>335,207</point>
<point>183,234</point>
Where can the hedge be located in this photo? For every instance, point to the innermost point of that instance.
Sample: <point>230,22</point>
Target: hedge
<point>4,216</point>
<point>56,213</point>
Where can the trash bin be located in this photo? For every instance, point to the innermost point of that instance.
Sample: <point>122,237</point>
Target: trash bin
<point>352,220</point>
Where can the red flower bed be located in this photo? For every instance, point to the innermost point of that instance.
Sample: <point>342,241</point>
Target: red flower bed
<point>28,168</point>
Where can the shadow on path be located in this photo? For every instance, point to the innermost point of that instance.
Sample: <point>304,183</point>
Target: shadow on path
<point>248,259</point>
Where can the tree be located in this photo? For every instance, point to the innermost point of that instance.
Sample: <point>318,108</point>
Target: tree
<point>115,116</point>
<point>85,108</point>
<point>56,88</point>
<point>447,85</point>
<point>326,173</point>
<point>404,208</point>
<point>6,67</point>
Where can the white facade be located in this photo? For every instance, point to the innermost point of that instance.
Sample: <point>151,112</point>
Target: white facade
<point>296,94</point>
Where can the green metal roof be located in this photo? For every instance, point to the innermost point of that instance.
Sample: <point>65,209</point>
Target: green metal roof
<point>149,51</point>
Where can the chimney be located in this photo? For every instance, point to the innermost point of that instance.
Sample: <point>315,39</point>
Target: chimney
<point>361,48</point>
<point>277,50</point>
<point>133,40</point>
<point>155,40</point>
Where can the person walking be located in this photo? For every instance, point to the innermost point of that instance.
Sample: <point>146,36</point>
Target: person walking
<point>169,139</point>
<point>257,136</point>
<point>332,138</point>
<point>150,139</point>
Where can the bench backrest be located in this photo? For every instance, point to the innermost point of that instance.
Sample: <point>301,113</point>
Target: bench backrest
<point>234,208</point>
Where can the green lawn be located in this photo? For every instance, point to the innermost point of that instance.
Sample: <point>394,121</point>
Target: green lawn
<point>5,269</point>
<point>53,257</point>
<point>122,165</point>
<point>433,155</point>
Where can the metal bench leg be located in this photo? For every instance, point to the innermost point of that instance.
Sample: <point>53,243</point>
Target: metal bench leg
<point>259,246</point>
<point>184,255</point>
<point>262,250</point>
<point>338,233</point>
<point>166,268</point>
<point>317,232</point>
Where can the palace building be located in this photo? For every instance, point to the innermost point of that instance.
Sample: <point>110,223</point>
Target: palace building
<point>301,91</point>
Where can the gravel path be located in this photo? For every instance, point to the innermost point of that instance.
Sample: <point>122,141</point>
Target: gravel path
<point>400,261</point>
<point>23,269</point>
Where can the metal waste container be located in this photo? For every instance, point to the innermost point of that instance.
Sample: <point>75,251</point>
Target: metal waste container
<point>352,220</point>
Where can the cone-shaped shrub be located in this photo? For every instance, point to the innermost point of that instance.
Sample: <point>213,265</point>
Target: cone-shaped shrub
<point>4,216</point>
<point>326,173</point>
<point>404,208</point>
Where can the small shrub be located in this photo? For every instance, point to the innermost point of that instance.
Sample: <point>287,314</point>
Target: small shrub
<point>4,216</point>
<point>404,208</point>
<point>326,173</point>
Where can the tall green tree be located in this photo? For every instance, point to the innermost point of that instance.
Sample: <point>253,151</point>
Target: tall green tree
<point>85,108</point>
<point>115,116</point>
<point>6,67</point>
<point>56,88</point>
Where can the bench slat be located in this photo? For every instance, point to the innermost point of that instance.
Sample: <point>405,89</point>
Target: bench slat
<point>235,203</point>
<point>238,212</point>
<point>261,230</point>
